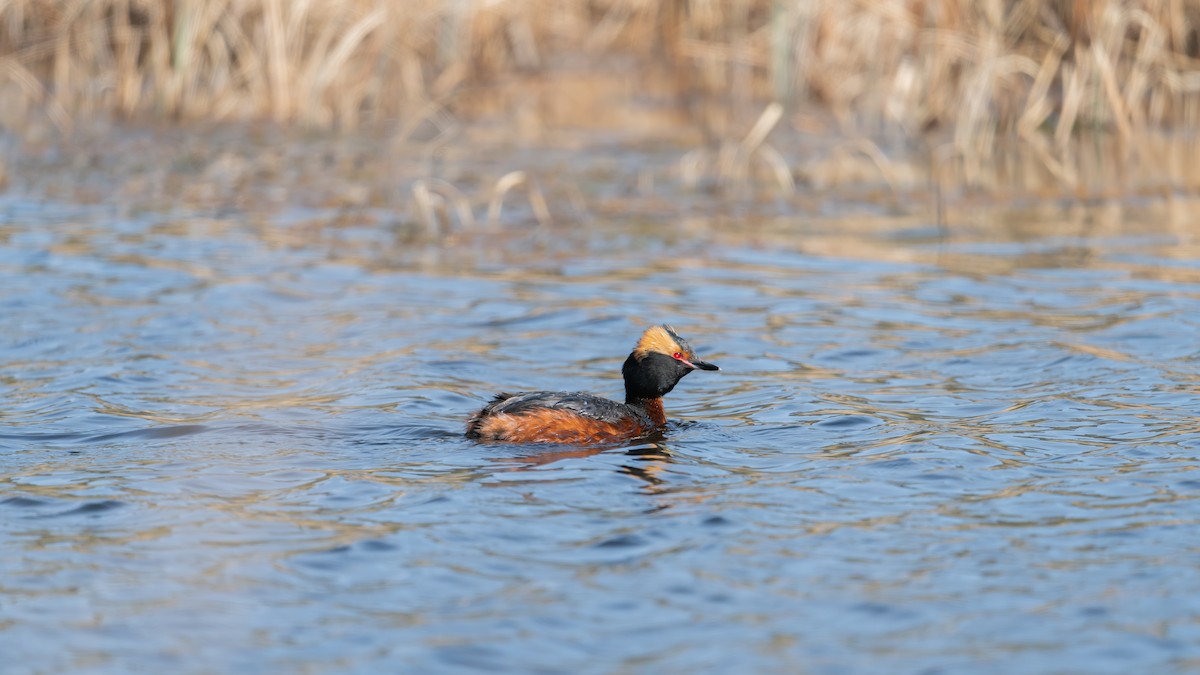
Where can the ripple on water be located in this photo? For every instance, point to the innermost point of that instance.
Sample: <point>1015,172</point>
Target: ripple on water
<point>152,433</point>
<point>22,502</point>
<point>90,509</point>
<point>847,422</point>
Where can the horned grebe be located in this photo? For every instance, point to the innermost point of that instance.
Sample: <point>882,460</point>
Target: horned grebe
<point>660,359</point>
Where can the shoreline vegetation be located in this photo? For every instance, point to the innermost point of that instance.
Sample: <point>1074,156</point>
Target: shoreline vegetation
<point>1069,93</point>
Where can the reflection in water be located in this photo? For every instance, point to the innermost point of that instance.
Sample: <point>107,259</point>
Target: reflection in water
<point>648,464</point>
<point>542,455</point>
<point>237,445</point>
<point>647,461</point>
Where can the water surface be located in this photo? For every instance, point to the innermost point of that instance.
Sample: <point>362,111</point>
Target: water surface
<point>231,444</point>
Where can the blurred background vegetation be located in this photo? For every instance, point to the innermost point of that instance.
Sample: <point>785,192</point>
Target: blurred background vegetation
<point>1070,88</point>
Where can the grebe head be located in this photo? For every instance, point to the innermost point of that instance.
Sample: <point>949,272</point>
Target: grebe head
<point>660,359</point>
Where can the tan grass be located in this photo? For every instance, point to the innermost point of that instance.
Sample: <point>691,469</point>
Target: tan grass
<point>963,73</point>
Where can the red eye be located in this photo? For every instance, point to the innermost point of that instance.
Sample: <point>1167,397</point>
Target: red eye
<point>677,355</point>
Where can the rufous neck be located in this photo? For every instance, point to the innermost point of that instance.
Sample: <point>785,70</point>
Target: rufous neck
<point>653,408</point>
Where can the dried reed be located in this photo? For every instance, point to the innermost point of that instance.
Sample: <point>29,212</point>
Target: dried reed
<point>973,71</point>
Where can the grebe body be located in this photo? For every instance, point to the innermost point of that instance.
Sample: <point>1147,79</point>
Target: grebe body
<point>660,359</point>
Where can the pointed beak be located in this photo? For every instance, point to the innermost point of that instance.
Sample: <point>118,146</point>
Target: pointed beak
<point>702,365</point>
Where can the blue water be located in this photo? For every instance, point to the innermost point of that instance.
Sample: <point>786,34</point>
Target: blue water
<point>235,446</point>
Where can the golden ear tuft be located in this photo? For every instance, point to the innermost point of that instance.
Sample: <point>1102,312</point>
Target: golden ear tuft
<point>659,339</point>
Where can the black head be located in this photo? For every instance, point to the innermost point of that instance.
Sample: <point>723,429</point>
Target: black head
<point>658,363</point>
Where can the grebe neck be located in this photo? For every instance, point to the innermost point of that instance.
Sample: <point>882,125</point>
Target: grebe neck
<point>653,408</point>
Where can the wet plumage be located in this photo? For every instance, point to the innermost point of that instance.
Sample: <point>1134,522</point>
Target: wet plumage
<point>660,359</point>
